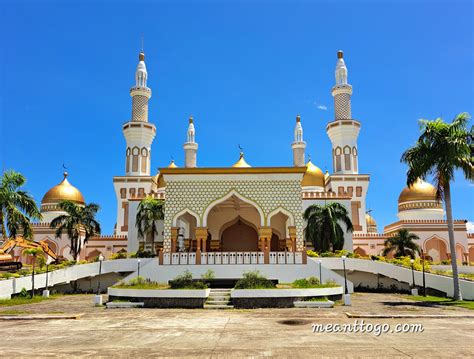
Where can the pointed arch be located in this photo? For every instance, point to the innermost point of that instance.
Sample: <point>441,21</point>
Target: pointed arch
<point>227,196</point>
<point>285,212</point>
<point>190,212</point>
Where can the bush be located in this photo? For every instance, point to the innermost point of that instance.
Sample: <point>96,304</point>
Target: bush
<point>118,255</point>
<point>253,280</point>
<point>445,262</point>
<point>24,293</point>
<point>311,282</point>
<point>327,254</point>
<point>185,281</point>
<point>142,254</point>
<point>209,275</point>
<point>311,253</point>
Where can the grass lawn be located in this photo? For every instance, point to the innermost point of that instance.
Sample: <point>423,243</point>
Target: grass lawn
<point>468,304</point>
<point>23,300</point>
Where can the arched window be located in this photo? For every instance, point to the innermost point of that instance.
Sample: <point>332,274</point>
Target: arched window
<point>338,159</point>
<point>144,159</point>
<point>347,158</point>
<point>127,159</point>
<point>354,155</point>
<point>135,154</point>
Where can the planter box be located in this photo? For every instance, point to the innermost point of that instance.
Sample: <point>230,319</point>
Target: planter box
<point>279,298</point>
<point>309,304</point>
<point>162,298</point>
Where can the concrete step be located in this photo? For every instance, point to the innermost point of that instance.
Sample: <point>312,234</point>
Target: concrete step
<point>218,302</point>
<point>223,306</point>
<point>219,296</point>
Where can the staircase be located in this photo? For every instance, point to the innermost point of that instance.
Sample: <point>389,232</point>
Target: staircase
<point>219,298</point>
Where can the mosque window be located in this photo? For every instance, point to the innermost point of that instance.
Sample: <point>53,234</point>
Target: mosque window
<point>347,158</point>
<point>338,159</point>
<point>135,153</point>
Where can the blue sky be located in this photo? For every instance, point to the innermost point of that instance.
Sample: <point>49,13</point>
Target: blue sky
<point>244,70</point>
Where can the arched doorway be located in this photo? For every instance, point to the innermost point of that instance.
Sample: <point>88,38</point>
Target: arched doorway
<point>239,236</point>
<point>186,222</point>
<point>436,249</point>
<point>471,254</point>
<point>360,251</point>
<point>233,224</point>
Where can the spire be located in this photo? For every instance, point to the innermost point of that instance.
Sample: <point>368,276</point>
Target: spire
<point>298,130</point>
<point>341,70</point>
<point>141,75</point>
<point>191,131</point>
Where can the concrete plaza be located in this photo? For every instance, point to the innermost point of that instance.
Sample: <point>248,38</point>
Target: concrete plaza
<point>234,333</point>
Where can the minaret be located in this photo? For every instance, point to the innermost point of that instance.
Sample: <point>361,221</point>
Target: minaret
<point>298,146</point>
<point>343,131</point>
<point>138,132</point>
<point>190,146</point>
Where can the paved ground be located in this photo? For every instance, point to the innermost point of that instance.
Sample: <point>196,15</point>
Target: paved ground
<point>233,333</point>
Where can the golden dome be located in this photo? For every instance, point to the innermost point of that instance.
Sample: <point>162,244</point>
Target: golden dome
<point>241,162</point>
<point>371,224</point>
<point>419,191</point>
<point>172,164</point>
<point>63,192</point>
<point>313,177</point>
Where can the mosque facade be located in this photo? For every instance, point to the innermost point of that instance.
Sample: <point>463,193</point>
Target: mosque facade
<point>250,209</point>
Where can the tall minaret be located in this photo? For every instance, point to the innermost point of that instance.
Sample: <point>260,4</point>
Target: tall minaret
<point>190,146</point>
<point>298,146</point>
<point>138,132</point>
<point>343,131</point>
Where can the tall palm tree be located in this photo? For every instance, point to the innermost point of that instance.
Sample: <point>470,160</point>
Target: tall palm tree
<point>34,252</point>
<point>402,243</point>
<point>441,149</point>
<point>323,226</point>
<point>17,207</point>
<point>150,210</point>
<point>78,223</point>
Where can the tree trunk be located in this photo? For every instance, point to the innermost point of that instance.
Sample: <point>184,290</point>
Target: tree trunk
<point>33,279</point>
<point>452,244</point>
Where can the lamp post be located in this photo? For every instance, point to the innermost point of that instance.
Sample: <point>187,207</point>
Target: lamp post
<point>138,265</point>
<point>347,296</point>
<point>46,290</point>
<point>424,282</point>
<point>320,273</point>
<point>414,291</point>
<point>98,297</point>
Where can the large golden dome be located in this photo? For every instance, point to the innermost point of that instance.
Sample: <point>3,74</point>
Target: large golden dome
<point>419,191</point>
<point>313,176</point>
<point>63,192</point>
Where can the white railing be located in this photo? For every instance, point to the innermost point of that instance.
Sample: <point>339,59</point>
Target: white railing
<point>184,258</point>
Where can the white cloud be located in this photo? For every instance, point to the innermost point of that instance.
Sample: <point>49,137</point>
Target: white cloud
<point>470,227</point>
<point>321,107</point>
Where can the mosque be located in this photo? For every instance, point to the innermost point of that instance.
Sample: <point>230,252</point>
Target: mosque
<point>247,209</point>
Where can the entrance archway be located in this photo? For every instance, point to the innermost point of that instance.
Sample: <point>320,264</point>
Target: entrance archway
<point>436,249</point>
<point>239,236</point>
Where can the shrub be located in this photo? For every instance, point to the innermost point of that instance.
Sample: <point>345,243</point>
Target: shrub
<point>142,254</point>
<point>209,275</point>
<point>311,282</point>
<point>185,281</point>
<point>6,275</point>
<point>445,261</point>
<point>327,254</point>
<point>118,255</point>
<point>311,253</point>
<point>253,280</point>
<point>24,293</point>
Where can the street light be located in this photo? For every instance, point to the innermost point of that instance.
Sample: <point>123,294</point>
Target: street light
<point>424,283</point>
<point>347,297</point>
<point>138,271</point>
<point>101,258</point>
<point>320,274</point>
<point>414,291</point>
<point>46,291</point>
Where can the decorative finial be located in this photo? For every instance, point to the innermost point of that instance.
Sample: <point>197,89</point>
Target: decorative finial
<point>309,158</point>
<point>191,119</point>
<point>241,151</point>
<point>143,40</point>
<point>65,171</point>
<point>298,118</point>
<point>340,54</point>
<point>141,56</point>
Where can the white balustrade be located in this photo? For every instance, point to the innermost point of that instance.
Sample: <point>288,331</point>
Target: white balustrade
<point>184,258</point>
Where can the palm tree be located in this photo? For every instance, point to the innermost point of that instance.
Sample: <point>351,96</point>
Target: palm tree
<point>402,243</point>
<point>17,207</point>
<point>78,223</point>
<point>441,149</point>
<point>323,227</point>
<point>34,252</point>
<point>150,210</point>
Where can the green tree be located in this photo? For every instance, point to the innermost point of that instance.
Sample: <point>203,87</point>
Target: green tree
<point>17,207</point>
<point>35,253</point>
<point>402,244</point>
<point>441,149</point>
<point>78,223</point>
<point>323,226</point>
<point>149,211</point>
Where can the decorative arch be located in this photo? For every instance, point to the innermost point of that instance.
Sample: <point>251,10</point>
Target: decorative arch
<point>360,251</point>
<point>437,244</point>
<point>227,196</point>
<point>285,212</point>
<point>190,212</point>
<point>234,221</point>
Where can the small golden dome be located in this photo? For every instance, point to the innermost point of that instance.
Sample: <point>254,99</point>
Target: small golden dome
<point>313,177</point>
<point>63,192</point>
<point>419,191</point>
<point>172,164</point>
<point>371,224</point>
<point>241,162</point>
